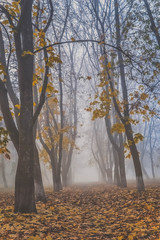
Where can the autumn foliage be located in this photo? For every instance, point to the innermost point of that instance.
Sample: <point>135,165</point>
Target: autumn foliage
<point>92,212</point>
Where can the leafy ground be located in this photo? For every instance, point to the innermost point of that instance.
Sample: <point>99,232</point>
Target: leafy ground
<point>93,212</point>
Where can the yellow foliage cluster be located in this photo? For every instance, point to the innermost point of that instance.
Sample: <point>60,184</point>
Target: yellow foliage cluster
<point>138,137</point>
<point>118,127</point>
<point>13,8</point>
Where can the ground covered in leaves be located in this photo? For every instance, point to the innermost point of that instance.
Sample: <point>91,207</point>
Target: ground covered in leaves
<point>93,212</point>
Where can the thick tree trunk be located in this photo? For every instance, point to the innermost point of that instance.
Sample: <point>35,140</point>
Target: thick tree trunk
<point>24,184</point>
<point>57,183</point>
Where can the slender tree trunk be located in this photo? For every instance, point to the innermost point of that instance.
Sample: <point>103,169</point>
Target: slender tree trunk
<point>117,179</point>
<point>151,156</point>
<point>3,172</point>
<point>122,162</point>
<point>58,183</point>
<point>39,189</point>
<point>120,151</point>
<point>135,156</point>
<point>125,120</point>
<point>109,170</point>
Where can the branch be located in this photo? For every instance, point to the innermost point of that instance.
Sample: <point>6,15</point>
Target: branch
<point>87,40</point>
<point>8,119</point>
<point>50,17</point>
<point>7,14</point>
<point>43,93</point>
<point>44,145</point>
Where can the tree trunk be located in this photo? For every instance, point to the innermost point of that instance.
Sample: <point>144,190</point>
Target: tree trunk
<point>125,119</point>
<point>151,156</point>
<point>24,183</point>
<point>117,179</point>
<point>122,162</point>
<point>135,156</point>
<point>57,183</point>
<point>39,189</point>
<point>3,172</point>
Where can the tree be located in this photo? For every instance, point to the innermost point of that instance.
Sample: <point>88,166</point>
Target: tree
<point>39,189</point>
<point>125,119</point>
<point>19,22</point>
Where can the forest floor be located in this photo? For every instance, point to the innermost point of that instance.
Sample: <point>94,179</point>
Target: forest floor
<point>90,212</point>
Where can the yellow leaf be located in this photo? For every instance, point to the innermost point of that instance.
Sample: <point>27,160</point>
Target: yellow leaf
<point>138,137</point>
<point>27,53</point>
<point>144,96</point>
<point>35,14</point>
<point>44,22</point>
<point>120,238</point>
<point>146,107</point>
<point>18,106</point>
<point>5,22</point>
<point>109,65</point>
<point>118,127</point>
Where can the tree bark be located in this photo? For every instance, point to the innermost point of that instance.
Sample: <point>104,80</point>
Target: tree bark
<point>39,188</point>
<point>57,184</point>
<point>122,162</point>
<point>125,119</point>
<point>24,183</point>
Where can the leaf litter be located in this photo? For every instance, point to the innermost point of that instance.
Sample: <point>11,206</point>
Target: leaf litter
<point>90,212</point>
